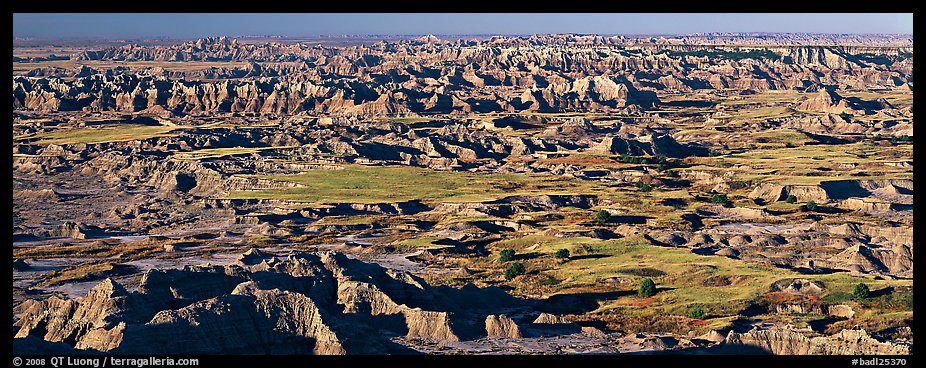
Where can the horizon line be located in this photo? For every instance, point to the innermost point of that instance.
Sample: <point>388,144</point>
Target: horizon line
<point>459,34</point>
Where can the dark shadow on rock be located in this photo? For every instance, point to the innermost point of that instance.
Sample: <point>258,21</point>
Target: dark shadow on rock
<point>424,225</point>
<point>719,349</point>
<point>550,330</point>
<point>903,190</point>
<point>753,310</point>
<point>185,182</point>
<point>694,220</point>
<point>815,271</point>
<point>32,345</point>
<point>577,303</point>
<point>705,251</point>
<point>826,139</point>
<point>635,220</point>
<point>527,256</point>
<point>601,325</point>
<point>819,325</point>
<point>601,233</point>
<point>881,292</point>
<point>833,210</point>
<point>690,103</point>
<point>676,183</point>
<point>843,189</point>
<point>515,123</point>
<point>675,202</point>
<point>491,227</point>
<point>778,213</point>
<point>25,237</point>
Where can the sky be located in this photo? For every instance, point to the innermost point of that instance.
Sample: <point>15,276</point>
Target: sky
<point>191,25</point>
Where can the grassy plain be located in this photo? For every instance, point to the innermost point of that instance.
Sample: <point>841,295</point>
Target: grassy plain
<point>103,134</point>
<point>386,184</point>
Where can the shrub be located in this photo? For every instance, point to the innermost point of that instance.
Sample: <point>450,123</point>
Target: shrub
<point>562,253</point>
<point>647,288</point>
<point>515,269</point>
<point>642,271</point>
<point>719,198</point>
<point>549,281</point>
<point>861,291</point>
<point>697,312</point>
<point>602,217</point>
<point>811,206</point>
<point>791,199</point>
<point>671,173</point>
<point>506,255</point>
<point>645,188</point>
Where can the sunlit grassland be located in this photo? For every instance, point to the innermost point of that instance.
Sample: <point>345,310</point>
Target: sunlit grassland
<point>104,134</point>
<point>683,278</point>
<point>228,151</point>
<point>387,184</point>
<point>800,165</point>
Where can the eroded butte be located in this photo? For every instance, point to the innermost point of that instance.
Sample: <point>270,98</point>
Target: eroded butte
<point>485,196</point>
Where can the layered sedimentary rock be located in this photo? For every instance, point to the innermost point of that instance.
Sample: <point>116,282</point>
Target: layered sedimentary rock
<point>411,77</point>
<point>306,303</point>
<point>789,342</point>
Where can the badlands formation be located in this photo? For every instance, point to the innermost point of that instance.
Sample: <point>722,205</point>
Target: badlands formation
<point>485,196</point>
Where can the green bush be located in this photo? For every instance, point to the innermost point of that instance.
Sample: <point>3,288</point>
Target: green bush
<point>791,199</point>
<point>719,198</point>
<point>645,188</point>
<point>562,253</point>
<point>697,312</point>
<point>811,206</point>
<point>549,281</point>
<point>647,288</point>
<point>515,269</point>
<point>861,291</point>
<point>602,217</point>
<point>506,255</point>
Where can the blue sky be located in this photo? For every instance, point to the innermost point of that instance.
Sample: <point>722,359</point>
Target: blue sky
<point>122,25</point>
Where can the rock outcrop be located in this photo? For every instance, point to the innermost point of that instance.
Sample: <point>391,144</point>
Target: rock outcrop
<point>502,326</point>
<point>545,73</point>
<point>306,303</point>
<point>789,342</point>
